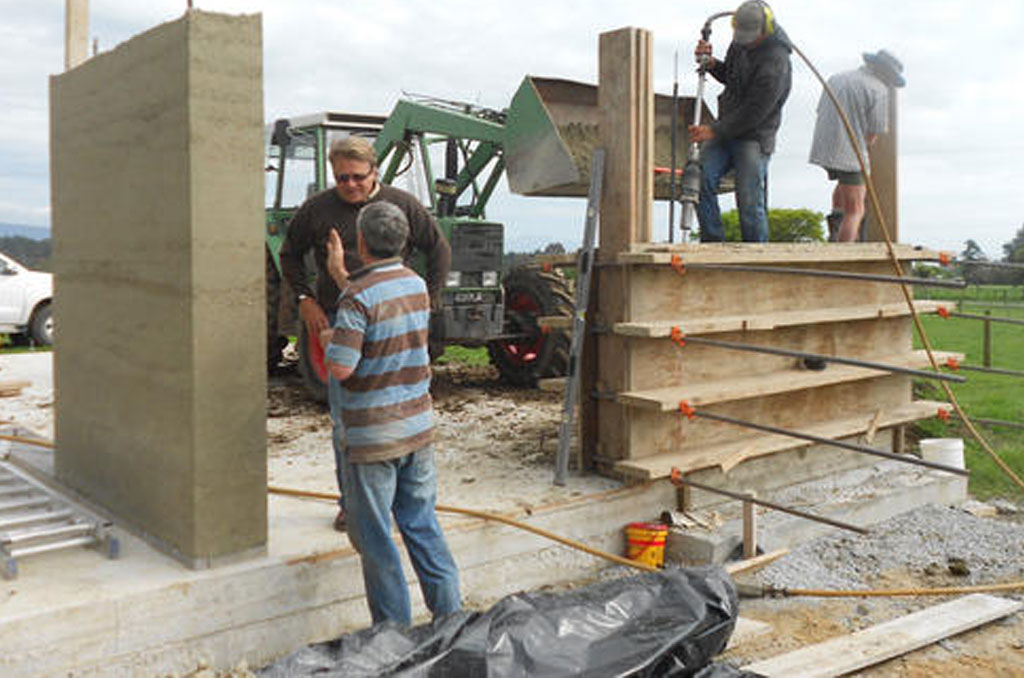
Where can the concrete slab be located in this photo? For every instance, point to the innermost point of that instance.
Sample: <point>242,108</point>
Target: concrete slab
<point>77,613</point>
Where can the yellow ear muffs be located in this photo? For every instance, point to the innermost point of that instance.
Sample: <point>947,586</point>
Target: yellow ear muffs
<point>769,19</point>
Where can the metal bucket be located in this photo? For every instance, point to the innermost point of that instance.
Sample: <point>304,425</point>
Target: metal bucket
<point>552,130</point>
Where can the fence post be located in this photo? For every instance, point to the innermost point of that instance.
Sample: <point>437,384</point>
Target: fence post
<point>987,342</point>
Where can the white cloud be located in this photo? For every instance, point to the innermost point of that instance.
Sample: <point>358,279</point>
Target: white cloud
<point>959,114</point>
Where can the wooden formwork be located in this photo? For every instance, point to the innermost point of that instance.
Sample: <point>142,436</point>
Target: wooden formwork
<point>643,374</point>
<point>634,375</point>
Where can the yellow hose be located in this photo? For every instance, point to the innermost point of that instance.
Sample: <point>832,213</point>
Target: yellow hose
<point>892,593</point>
<point>619,560</point>
<point>28,441</point>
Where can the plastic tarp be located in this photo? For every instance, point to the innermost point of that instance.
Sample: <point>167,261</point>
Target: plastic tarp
<point>668,623</point>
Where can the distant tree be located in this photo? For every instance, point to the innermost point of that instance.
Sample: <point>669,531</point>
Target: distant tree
<point>784,225</point>
<point>34,254</point>
<point>972,252</point>
<point>1013,251</point>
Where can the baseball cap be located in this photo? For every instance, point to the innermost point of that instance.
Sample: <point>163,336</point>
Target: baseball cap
<point>748,22</point>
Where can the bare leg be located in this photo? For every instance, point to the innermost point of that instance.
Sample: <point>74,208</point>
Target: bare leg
<point>851,202</point>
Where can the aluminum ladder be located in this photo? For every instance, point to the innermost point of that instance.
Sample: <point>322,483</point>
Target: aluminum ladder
<point>35,519</point>
<point>583,272</point>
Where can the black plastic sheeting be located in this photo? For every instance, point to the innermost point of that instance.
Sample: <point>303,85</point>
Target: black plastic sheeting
<point>668,623</point>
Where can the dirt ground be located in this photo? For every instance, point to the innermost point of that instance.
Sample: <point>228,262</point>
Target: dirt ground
<point>995,649</point>
<point>496,446</point>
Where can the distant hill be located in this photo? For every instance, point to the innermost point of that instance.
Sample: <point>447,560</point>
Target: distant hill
<point>24,231</point>
<point>28,244</point>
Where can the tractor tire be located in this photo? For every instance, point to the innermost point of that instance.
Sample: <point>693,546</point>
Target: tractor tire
<point>530,294</point>
<point>41,327</point>
<point>275,341</point>
<point>311,365</point>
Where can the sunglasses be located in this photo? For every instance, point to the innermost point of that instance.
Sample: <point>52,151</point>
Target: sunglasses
<point>354,178</point>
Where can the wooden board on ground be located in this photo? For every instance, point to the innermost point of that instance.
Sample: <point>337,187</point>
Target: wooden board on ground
<point>845,654</point>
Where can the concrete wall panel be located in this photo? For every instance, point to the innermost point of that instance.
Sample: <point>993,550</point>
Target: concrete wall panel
<point>157,183</point>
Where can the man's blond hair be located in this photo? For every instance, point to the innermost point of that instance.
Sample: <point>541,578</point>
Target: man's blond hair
<point>353,148</point>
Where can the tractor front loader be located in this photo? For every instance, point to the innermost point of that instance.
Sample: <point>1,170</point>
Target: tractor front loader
<point>541,143</point>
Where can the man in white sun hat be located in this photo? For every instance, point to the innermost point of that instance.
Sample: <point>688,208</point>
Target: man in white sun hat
<point>864,96</point>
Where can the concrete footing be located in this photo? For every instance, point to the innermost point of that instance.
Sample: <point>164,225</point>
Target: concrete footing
<point>146,614</point>
<point>860,496</point>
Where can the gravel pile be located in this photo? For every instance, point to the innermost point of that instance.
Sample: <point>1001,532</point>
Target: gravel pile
<point>931,540</point>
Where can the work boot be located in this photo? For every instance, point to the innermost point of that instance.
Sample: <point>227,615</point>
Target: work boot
<point>339,521</point>
<point>834,220</point>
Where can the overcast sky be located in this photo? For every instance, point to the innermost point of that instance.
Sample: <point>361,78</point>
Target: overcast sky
<point>961,143</point>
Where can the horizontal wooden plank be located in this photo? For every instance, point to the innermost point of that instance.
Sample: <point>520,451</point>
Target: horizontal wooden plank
<point>771,253</point>
<point>730,454</point>
<point>843,655</point>
<point>771,321</point>
<point>667,399</point>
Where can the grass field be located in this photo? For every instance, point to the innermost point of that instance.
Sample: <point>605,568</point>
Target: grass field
<point>984,396</point>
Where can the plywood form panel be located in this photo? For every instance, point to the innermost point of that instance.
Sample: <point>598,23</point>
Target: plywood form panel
<point>770,321</point>
<point>659,292</point>
<point>658,363</point>
<point>737,454</point>
<point>668,431</point>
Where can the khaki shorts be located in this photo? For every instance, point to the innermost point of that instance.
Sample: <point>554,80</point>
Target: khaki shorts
<point>846,178</point>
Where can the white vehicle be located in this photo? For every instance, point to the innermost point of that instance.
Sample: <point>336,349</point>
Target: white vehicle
<point>25,302</point>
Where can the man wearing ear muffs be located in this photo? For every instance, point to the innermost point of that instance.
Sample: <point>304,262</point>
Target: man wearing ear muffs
<point>757,76</point>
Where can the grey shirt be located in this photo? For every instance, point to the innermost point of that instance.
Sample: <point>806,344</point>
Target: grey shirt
<point>865,101</point>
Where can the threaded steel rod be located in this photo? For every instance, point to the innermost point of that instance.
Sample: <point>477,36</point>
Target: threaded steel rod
<point>993,318</point>
<point>681,479</point>
<point>845,275</point>
<point>835,443</point>
<point>738,346</point>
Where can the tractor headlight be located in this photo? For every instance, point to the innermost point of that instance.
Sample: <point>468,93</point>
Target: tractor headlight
<point>490,279</point>
<point>454,279</point>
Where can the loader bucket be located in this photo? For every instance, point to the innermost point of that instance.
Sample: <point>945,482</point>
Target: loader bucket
<point>552,130</point>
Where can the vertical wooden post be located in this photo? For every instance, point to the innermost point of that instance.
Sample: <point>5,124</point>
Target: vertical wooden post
<point>76,32</point>
<point>884,166</point>
<point>987,342</point>
<point>749,529</point>
<point>626,101</point>
<point>626,131</point>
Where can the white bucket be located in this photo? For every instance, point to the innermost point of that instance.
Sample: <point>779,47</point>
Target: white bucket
<point>946,451</point>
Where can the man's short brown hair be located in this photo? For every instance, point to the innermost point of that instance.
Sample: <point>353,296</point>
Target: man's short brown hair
<point>353,148</point>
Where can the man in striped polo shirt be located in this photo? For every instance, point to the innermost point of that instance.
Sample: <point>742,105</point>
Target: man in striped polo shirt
<point>380,382</point>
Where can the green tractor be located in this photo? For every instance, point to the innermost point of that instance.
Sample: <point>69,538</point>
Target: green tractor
<point>482,304</point>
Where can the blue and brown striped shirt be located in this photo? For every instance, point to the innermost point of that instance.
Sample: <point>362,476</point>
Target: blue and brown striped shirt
<point>381,330</point>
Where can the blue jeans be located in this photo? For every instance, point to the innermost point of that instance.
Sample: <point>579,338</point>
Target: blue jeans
<point>337,431</point>
<point>406,488</point>
<point>717,157</point>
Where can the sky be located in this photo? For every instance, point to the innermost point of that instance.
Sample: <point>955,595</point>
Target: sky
<point>960,134</point>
